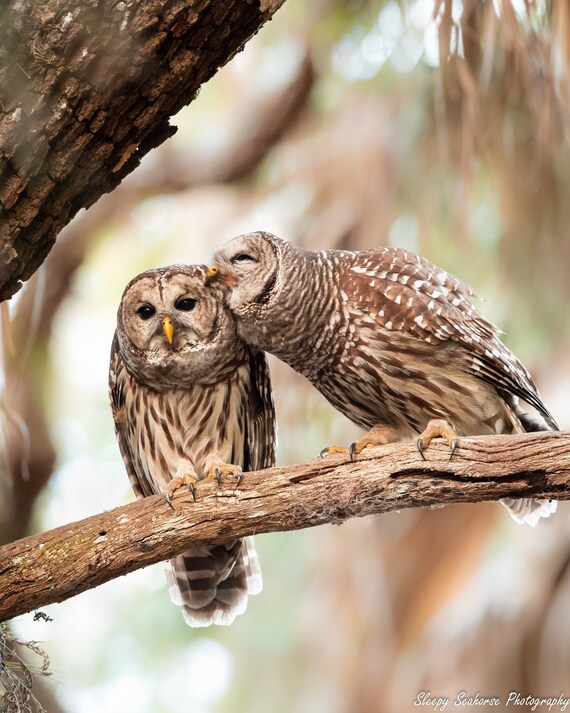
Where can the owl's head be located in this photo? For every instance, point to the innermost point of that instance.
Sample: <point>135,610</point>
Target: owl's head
<point>173,328</point>
<point>252,266</point>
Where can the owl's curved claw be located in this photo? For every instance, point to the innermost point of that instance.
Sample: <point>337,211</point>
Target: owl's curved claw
<point>178,482</point>
<point>420,445</point>
<point>378,435</point>
<point>238,474</point>
<point>216,468</point>
<point>437,428</point>
<point>333,449</point>
<point>454,444</point>
<point>352,450</point>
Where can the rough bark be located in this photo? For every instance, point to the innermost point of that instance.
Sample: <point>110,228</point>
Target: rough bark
<point>58,564</point>
<point>87,88</point>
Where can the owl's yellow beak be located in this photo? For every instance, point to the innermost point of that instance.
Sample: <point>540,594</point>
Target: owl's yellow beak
<point>211,273</point>
<point>168,328</point>
<point>221,275</point>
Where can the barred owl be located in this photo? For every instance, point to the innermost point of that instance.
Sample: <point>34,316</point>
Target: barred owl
<point>189,397</point>
<point>391,340</point>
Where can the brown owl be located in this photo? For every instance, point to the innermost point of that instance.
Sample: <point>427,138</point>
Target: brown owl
<point>189,397</point>
<point>390,339</point>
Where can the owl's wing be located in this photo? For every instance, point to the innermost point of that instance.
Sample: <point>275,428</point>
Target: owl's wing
<point>260,421</point>
<point>404,292</point>
<point>118,383</point>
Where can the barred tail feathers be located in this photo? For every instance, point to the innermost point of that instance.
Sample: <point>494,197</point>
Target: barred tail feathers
<point>212,584</point>
<point>529,511</point>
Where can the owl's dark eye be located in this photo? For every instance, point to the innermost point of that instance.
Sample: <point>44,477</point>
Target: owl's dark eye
<point>186,304</point>
<point>243,257</point>
<point>146,311</point>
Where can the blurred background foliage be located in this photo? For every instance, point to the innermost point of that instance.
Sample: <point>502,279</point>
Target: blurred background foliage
<point>440,126</point>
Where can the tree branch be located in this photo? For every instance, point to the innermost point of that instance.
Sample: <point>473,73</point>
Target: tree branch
<point>58,564</point>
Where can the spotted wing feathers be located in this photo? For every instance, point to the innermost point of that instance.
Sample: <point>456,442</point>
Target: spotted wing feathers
<point>401,291</point>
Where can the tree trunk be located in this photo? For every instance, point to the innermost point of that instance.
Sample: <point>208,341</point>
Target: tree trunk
<point>87,88</point>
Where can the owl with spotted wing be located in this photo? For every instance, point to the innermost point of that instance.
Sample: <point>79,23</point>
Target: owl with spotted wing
<point>190,400</point>
<point>390,339</point>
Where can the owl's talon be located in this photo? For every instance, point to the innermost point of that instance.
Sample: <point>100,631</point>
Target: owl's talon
<point>218,468</point>
<point>454,444</point>
<point>168,499</point>
<point>437,428</point>
<point>333,449</point>
<point>378,435</point>
<point>420,445</point>
<point>352,450</point>
<point>178,482</point>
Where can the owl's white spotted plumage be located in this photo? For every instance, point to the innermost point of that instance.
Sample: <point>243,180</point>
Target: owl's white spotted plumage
<point>185,393</point>
<point>389,338</point>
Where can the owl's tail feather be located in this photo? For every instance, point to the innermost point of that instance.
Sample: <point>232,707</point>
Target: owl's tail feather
<point>529,511</point>
<point>212,584</point>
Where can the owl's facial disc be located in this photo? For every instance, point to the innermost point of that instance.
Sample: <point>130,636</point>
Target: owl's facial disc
<point>164,315</point>
<point>172,326</point>
<point>249,266</point>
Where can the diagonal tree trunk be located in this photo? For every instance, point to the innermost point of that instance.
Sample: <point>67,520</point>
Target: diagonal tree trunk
<point>87,88</point>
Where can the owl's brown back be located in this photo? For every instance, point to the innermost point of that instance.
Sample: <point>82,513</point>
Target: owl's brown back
<point>389,337</point>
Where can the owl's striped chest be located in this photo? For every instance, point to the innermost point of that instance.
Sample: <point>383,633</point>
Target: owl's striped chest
<point>170,430</point>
